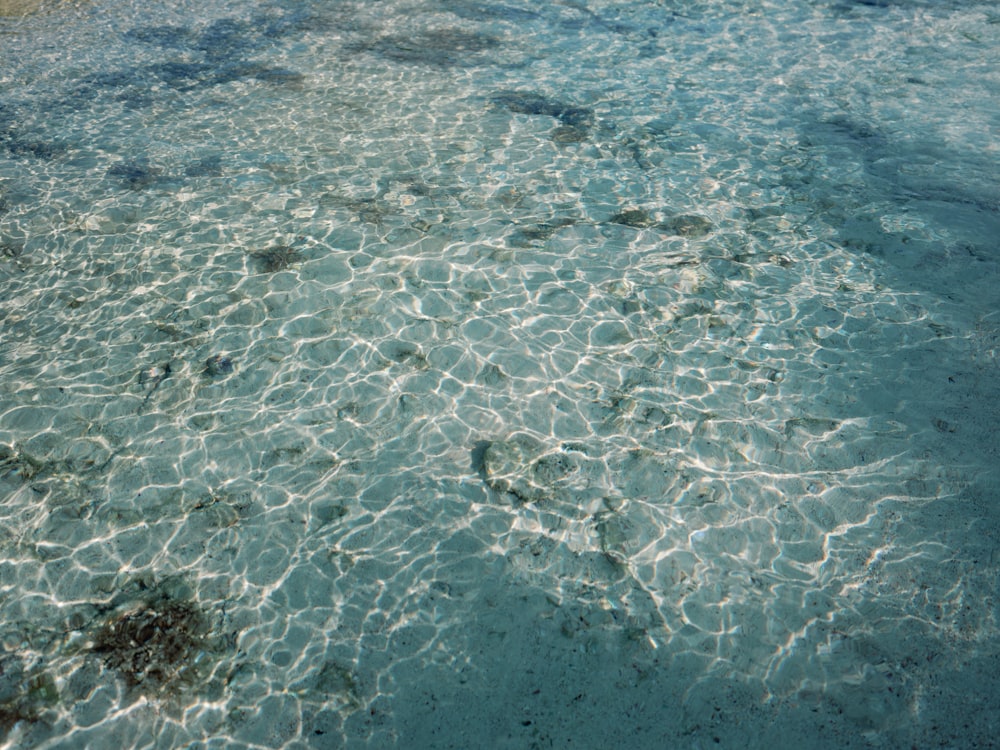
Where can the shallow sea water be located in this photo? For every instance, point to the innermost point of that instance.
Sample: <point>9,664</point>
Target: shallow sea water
<point>467,374</point>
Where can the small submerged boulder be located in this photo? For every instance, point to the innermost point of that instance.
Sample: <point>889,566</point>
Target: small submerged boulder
<point>636,218</point>
<point>523,467</point>
<point>692,226</point>
<point>218,365</point>
<point>578,119</point>
<point>687,225</point>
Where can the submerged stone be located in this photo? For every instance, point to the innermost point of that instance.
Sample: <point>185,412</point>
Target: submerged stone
<point>151,377</point>
<point>687,225</point>
<point>218,364</point>
<point>569,134</point>
<point>11,251</point>
<point>527,236</point>
<point>37,149</point>
<point>522,466</point>
<point>531,103</point>
<point>280,76</point>
<point>491,375</point>
<point>26,692</point>
<point>181,74</point>
<point>633,217</point>
<point>683,225</point>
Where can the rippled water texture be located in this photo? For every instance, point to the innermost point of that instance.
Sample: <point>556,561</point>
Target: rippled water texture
<point>468,374</point>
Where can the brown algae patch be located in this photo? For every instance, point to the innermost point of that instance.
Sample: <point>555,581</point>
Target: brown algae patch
<point>161,646</point>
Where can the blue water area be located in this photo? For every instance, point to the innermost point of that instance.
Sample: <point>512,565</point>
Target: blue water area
<point>446,373</point>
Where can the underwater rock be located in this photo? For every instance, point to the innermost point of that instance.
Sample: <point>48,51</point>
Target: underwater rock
<point>218,364</point>
<point>225,38</point>
<point>569,134</point>
<point>683,225</point>
<point>633,217</point>
<point>11,251</point>
<point>530,103</point>
<point>522,467</point>
<point>37,149</point>
<point>614,534</point>
<point>278,76</point>
<point>687,225</point>
<point>403,351</point>
<point>182,75</point>
<point>15,462</point>
<point>491,375</point>
<point>527,236</point>
<point>151,377</point>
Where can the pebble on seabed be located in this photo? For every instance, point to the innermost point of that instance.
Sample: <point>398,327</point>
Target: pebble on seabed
<point>218,364</point>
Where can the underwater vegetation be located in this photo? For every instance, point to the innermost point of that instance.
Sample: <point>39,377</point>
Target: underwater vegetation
<point>156,645</point>
<point>158,641</point>
<point>276,258</point>
<point>25,693</point>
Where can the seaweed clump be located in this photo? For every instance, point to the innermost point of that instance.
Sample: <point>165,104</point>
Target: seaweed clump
<point>25,694</point>
<point>276,258</point>
<point>156,646</point>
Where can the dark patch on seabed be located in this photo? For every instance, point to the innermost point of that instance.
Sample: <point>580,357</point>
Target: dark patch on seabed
<point>226,48</point>
<point>477,11</point>
<point>923,180</point>
<point>448,47</point>
<point>154,636</point>
<point>19,144</point>
<point>136,174</point>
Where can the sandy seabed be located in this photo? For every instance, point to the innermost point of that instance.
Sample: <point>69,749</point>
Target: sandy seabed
<point>452,375</point>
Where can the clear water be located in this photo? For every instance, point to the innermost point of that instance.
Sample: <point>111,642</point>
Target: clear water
<point>471,374</point>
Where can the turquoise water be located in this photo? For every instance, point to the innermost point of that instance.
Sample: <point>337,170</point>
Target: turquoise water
<point>465,374</point>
